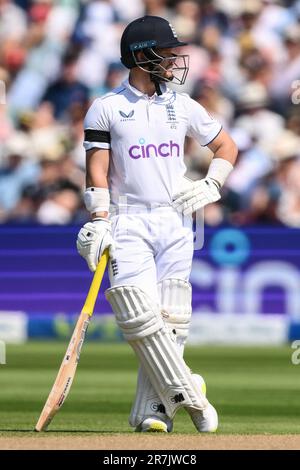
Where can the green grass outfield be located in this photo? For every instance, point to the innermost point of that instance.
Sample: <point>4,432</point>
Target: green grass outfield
<point>255,390</point>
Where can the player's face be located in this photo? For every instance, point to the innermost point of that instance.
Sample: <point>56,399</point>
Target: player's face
<point>168,62</point>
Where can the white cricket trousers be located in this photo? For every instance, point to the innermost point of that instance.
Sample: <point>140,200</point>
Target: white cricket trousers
<point>151,246</point>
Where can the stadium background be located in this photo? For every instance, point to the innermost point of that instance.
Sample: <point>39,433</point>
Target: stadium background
<point>55,58</point>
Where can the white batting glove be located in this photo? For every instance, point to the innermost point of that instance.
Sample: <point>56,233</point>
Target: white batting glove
<point>195,195</point>
<point>93,238</point>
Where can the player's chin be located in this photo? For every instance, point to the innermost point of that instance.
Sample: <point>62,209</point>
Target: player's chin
<point>168,76</point>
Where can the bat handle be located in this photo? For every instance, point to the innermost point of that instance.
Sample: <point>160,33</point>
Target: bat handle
<point>95,285</point>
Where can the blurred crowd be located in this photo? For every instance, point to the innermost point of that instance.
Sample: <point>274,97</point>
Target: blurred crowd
<point>57,56</point>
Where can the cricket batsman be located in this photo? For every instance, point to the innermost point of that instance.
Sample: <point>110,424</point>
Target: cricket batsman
<point>141,209</point>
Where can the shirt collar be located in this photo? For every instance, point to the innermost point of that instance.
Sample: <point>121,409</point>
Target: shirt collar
<point>137,92</point>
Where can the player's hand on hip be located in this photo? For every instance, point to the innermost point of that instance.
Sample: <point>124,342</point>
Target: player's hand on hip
<point>196,194</point>
<point>93,238</point>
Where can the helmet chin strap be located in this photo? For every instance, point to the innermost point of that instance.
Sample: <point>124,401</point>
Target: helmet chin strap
<point>156,82</point>
<point>154,79</point>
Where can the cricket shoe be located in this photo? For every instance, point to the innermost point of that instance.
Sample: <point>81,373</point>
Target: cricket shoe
<point>200,383</point>
<point>154,424</point>
<point>204,420</point>
<point>165,424</point>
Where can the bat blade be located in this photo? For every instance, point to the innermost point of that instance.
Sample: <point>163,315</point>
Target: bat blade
<point>66,373</point>
<point>67,370</point>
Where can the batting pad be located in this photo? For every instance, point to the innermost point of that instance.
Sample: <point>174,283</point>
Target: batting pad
<point>143,327</point>
<point>147,402</point>
<point>176,308</point>
<point>176,304</point>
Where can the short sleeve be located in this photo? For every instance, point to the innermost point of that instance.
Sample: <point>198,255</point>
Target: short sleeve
<point>201,125</point>
<point>97,127</point>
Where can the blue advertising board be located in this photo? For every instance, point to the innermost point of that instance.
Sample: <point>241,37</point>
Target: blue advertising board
<point>255,270</point>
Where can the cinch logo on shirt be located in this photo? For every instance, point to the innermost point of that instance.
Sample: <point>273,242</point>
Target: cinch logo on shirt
<point>169,149</point>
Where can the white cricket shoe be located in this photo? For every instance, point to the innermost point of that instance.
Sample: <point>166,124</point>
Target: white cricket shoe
<point>155,424</point>
<point>200,383</point>
<point>205,420</point>
<point>165,424</point>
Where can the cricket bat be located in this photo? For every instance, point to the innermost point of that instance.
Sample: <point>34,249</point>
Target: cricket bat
<point>66,373</point>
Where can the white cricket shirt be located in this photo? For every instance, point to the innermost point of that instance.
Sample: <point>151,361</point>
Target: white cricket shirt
<point>146,137</point>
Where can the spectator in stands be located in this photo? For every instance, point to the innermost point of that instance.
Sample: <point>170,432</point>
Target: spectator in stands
<point>67,90</point>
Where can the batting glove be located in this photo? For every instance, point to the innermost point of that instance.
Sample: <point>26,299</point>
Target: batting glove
<point>93,238</point>
<point>195,195</point>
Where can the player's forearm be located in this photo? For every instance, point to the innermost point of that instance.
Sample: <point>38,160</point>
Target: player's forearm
<point>227,150</point>
<point>97,162</point>
<point>97,195</point>
<point>225,155</point>
<point>224,147</point>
